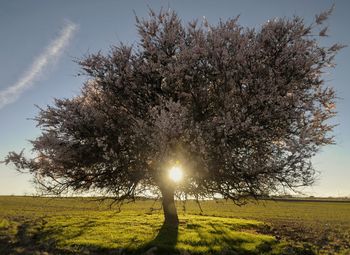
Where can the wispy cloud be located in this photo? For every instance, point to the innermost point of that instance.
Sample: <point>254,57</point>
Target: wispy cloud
<point>51,54</point>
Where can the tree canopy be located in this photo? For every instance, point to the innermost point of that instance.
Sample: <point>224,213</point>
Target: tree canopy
<point>241,110</point>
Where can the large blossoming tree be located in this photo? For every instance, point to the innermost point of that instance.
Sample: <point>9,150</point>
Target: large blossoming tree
<point>241,111</point>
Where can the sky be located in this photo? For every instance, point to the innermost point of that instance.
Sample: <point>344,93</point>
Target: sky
<point>40,41</point>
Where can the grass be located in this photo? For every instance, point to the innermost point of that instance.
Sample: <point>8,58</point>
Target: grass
<point>81,226</point>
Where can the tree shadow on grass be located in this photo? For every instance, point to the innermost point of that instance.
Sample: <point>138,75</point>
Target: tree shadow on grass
<point>164,243</point>
<point>33,238</point>
<point>28,241</point>
<point>219,240</point>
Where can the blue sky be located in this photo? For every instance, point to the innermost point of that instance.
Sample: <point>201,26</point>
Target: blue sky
<point>40,39</point>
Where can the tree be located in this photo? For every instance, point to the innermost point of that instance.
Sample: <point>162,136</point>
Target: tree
<point>241,111</point>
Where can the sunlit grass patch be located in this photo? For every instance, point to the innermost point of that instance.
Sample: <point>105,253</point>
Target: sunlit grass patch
<point>4,223</point>
<point>213,234</point>
<point>108,230</point>
<point>8,228</point>
<point>133,232</point>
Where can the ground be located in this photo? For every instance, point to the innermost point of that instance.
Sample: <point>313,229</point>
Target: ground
<point>31,225</point>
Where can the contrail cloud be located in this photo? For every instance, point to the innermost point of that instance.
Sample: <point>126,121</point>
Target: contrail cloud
<point>52,53</point>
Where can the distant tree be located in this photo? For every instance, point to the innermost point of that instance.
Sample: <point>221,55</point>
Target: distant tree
<point>242,111</point>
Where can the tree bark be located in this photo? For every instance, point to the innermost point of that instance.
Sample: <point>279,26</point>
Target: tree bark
<point>169,208</point>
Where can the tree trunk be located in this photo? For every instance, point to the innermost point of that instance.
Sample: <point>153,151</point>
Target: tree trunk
<point>169,209</point>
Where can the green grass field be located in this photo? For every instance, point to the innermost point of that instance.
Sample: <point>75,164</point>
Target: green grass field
<point>81,226</point>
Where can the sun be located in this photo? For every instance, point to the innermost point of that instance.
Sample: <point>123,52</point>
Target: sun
<point>175,173</point>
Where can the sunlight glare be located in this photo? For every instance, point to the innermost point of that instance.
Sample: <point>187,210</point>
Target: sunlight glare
<point>175,173</point>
